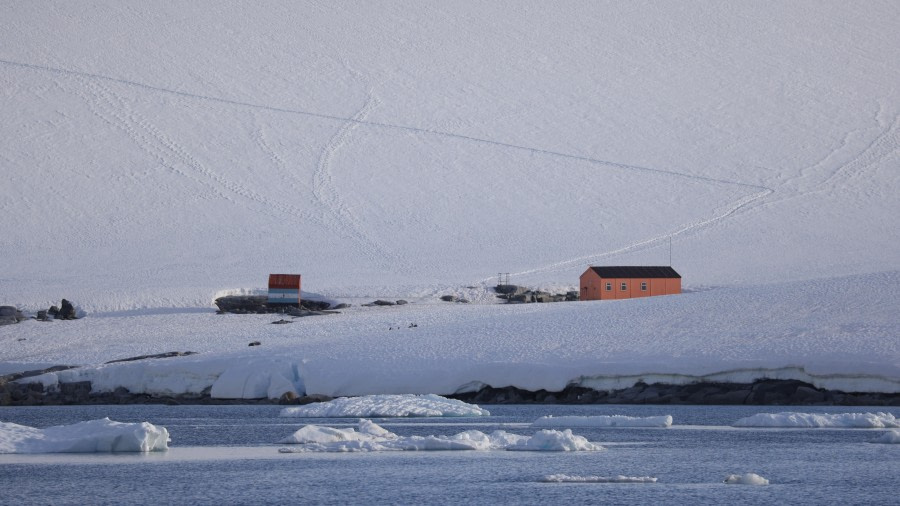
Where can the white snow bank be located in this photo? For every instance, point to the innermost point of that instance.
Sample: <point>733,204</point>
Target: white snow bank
<point>820,420</point>
<point>384,406</point>
<point>889,437</point>
<point>564,478</point>
<point>84,437</point>
<point>603,421</point>
<point>247,377</point>
<point>372,438</point>
<point>746,479</point>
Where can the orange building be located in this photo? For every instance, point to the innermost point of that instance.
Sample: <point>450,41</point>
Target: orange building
<point>606,283</point>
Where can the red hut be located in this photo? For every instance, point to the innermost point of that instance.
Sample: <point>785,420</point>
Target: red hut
<point>619,282</point>
<point>284,289</point>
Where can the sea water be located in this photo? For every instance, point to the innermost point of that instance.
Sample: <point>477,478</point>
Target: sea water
<point>229,455</point>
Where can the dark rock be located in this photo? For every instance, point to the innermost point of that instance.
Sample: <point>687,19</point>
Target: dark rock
<point>342,306</point>
<point>448,298</point>
<point>281,322</point>
<point>254,343</point>
<point>66,311</point>
<point>380,302</point>
<point>289,398</point>
<point>509,289</point>
<point>169,354</point>
<point>401,302</point>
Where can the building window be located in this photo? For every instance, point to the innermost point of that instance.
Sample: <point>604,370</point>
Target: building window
<point>643,286</point>
<point>609,287</point>
<point>624,286</point>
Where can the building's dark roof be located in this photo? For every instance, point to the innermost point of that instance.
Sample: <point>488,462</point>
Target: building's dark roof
<point>636,272</point>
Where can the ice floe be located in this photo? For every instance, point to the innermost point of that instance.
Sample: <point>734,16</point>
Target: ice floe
<point>370,437</point>
<point>565,478</point>
<point>746,479</point>
<point>95,436</point>
<point>386,406</point>
<point>603,421</point>
<point>821,420</point>
<point>889,437</point>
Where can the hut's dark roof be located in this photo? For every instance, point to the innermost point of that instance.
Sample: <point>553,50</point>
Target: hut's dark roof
<point>636,272</point>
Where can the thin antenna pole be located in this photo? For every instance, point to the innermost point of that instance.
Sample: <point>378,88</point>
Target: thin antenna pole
<point>670,251</point>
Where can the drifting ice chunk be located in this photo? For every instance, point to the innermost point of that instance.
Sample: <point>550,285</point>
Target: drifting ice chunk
<point>821,420</point>
<point>746,479</point>
<point>891,437</point>
<point>603,421</point>
<point>564,478</point>
<point>84,437</point>
<point>385,406</point>
<point>373,438</point>
<point>555,441</point>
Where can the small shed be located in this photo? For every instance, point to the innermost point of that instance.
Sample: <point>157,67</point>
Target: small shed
<point>284,289</point>
<point>628,282</point>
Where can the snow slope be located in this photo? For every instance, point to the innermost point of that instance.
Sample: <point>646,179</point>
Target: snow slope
<point>839,333</point>
<point>154,156</point>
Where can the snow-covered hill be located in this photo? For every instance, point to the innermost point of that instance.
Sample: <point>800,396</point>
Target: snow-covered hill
<point>155,155</point>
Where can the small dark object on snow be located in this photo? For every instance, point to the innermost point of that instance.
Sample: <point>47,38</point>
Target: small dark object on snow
<point>280,322</point>
<point>448,298</point>
<point>341,306</point>
<point>401,302</point>
<point>66,311</point>
<point>412,325</point>
<point>254,343</point>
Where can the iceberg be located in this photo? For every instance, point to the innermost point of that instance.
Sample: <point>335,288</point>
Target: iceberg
<point>95,436</point>
<point>603,421</point>
<point>889,437</point>
<point>370,437</point>
<point>746,479</point>
<point>564,478</point>
<point>386,406</point>
<point>821,420</point>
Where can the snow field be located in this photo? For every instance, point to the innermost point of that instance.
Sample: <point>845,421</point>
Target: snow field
<point>833,333</point>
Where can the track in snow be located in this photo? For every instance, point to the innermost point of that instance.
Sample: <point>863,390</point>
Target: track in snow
<point>326,194</point>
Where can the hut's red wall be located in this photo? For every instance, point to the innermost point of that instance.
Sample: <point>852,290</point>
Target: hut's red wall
<point>593,287</point>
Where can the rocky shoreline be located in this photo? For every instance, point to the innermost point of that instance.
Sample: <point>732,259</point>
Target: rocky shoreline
<point>15,392</point>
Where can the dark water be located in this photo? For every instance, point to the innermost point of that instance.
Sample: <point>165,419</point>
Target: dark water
<point>228,455</point>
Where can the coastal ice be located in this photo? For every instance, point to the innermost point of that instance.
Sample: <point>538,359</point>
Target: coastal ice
<point>821,420</point>
<point>370,437</point>
<point>891,437</point>
<point>603,421</point>
<point>746,479</point>
<point>95,436</point>
<point>565,478</point>
<point>386,406</point>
